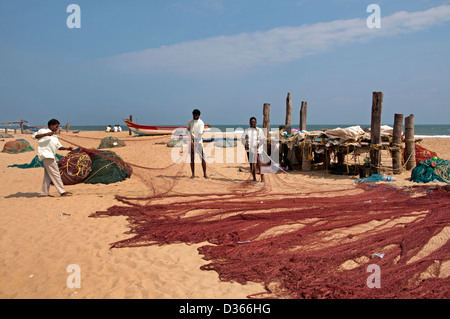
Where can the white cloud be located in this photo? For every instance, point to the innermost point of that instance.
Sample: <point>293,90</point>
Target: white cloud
<point>245,51</point>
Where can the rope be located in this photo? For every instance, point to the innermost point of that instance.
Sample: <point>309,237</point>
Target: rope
<point>82,164</point>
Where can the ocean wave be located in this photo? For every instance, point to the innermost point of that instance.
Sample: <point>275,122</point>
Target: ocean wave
<point>432,136</point>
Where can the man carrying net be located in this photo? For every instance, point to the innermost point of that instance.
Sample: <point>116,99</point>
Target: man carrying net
<point>48,144</point>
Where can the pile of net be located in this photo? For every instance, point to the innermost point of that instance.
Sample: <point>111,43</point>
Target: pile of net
<point>316,245</point>
<point>225,142</point>
<point>176,142</point>
<point>75,167</point>
<point>17,146</point>
<point>431,170</point>
<point>107,167</point>
<point>35,162</point>
<point>423,154</point>
<point>374,178</point>
<point>111,142</point>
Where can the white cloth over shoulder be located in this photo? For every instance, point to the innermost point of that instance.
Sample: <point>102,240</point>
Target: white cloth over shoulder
<point>255,138</point>
<point>48,145</point>
<point>196,129</point>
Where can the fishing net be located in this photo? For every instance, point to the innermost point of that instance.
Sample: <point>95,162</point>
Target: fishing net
<point>111,142</point>
<point>107,168</point>
<point>17,146</point>
<point>225,142</point>
<point>75,167</point>
<point>298,241</point>
<point>309,247</point>
<point>176,143</point>
<point>423,154</point>
<point>35,162</point>
<point>431,170</point>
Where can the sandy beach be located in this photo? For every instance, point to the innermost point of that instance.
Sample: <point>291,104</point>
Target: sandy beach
<point>42,237</point>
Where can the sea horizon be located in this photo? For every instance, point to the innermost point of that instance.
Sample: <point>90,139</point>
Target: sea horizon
<point>420,130</point>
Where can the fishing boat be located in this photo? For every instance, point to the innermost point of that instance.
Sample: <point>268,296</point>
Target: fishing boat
<point>32,128</point>
<point>141,129</point>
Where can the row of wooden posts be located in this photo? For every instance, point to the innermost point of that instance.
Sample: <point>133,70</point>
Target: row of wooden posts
<point>303,113</point>
<point>396,146</point>
<point>21,122</point>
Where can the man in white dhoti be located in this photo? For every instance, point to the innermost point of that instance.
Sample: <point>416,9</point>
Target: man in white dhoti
<point>253,140</point>
<point>196,128</point>
<point>48,144</point>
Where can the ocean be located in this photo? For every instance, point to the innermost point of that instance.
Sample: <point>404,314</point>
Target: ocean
<point>420,130</point>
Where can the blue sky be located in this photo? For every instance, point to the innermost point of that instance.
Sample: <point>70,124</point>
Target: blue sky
<point>158,60</point>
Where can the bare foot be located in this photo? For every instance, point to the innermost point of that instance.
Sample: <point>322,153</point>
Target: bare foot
<point>67,194</point>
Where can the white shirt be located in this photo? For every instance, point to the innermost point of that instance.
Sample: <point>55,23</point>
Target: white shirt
<point>196,128</point>
<point>256,139</point>
<point>48,145</point>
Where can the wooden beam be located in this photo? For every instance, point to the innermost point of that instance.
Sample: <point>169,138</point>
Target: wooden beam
<point>266,121</point>
<point>410,143</point>
<point>303,113</point>
<point>129,129</point>
<point>375,132</point>
<point>266,125</point>
<point>396,147</point>
<point>288,110</point>
<point>306,161</point>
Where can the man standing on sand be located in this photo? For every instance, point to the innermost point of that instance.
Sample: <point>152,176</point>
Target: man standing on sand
<point>253,140</point>
<point>196,128</point>
<point>48,144</point>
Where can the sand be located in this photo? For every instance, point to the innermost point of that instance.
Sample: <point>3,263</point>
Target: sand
<point>41,237</point>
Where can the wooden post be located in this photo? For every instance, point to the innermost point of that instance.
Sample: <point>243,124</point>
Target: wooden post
<point>303,111</point>
<point>396,148</point>
<point>375,132</point>
<point>306,162</point>
<point>266,126</point>
<point>266,121</point>
<point>410,143</point>
<point>129,129</point>
<point>21,126</point>
<point>288,110</point>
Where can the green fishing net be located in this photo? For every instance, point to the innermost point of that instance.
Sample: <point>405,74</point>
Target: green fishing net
<point>431,170</point>
<point>107,168</point>
<point>35,162</point>
<point>17,146</point>
<point>111,142</point>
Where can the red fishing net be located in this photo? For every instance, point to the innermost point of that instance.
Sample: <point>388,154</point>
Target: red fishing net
<point>308,247</point>
<point>423,154</point>
<point>74,167</point>
<point>320,244</point>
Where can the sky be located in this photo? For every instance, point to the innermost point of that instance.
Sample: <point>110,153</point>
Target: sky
<point>157,60</point>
